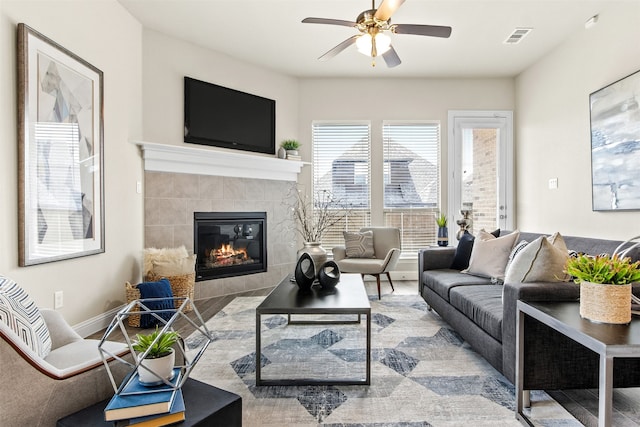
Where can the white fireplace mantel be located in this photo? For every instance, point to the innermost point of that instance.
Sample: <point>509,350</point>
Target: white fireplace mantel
<point>181,159</point>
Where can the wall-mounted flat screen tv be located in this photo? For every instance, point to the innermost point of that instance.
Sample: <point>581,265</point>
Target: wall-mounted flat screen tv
<point>221,117</point>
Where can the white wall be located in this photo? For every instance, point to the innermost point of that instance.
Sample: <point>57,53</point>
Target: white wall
<point>552,127</point>
<point>167,60</point>
<point>105,35</point>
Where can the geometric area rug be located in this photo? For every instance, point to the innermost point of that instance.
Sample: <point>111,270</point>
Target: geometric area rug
<point>422,372</point>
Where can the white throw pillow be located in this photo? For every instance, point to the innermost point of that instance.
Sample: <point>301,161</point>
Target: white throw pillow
<point>490,254</point>
<point>175,267</point>
<point>542,260</point>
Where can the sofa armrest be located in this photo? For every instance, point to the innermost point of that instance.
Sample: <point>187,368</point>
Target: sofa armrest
<point>339,253</point>
<point>435,258</point>
<point>59,330</point>
<point>532,291</point>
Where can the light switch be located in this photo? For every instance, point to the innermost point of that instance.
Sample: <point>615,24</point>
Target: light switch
<point>553,183</point>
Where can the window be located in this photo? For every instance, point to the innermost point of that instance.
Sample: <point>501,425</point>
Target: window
<point>411,180</point>
<point>341,165</point>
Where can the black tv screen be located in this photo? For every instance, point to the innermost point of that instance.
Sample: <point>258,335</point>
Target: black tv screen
<point>222,117</point>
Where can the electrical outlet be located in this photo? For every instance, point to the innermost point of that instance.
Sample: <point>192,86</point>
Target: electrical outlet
<point>58,300</point>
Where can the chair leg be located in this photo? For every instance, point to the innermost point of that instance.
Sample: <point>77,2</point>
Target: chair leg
<point>390,282</point>
<point>378,281</point>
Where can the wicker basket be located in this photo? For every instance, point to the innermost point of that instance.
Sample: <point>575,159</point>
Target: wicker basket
<point>182,286</point>
<point>605,303</point>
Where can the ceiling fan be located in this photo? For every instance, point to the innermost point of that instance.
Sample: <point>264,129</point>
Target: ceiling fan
<point>372,25</point>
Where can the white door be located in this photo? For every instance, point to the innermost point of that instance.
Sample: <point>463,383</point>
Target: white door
<point>481,169</point>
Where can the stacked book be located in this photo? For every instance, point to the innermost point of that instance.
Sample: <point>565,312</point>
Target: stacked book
<point>294,157</point>
<point>146,406</point>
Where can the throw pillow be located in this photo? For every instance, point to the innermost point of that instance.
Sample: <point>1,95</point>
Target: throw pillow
<point>490,254</point>
<point>543,260</point>
<point>20,313</point>
<point>174,267</point>
<point>463,252</point>
<point>164,254</point>
<point>359,245</point>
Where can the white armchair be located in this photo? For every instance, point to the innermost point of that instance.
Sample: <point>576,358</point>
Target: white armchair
<point>386,243</point>
<point>36,390</point>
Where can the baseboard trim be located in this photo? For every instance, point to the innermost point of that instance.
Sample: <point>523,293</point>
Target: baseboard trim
<point>97,323</point>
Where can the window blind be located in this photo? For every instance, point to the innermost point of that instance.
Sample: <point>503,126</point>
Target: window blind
<point>341,166</point>
<point>411,181</point>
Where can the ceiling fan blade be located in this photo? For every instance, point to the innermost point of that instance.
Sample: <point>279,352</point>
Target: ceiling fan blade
<point>342,46</point>
<point>329,21</point>
<point>422,30</point>
<point>391,58</point>
<point>387,8</point>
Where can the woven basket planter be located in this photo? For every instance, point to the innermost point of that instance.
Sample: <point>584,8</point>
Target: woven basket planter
<point>605,303</point>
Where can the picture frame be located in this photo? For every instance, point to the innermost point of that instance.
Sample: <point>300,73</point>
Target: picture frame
<point>61,146</point>
<point>615,145</point>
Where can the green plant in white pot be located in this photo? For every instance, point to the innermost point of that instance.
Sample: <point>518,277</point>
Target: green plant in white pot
<point>291,146</point>
<point>605,286</point>
<point>158,356</point>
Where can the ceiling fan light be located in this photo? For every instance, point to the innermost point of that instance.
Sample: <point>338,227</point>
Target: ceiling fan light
<point>383,43</point>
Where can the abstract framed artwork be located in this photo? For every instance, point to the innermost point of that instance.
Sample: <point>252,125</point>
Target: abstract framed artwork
<point>60,138</point>
<point>615,145</point>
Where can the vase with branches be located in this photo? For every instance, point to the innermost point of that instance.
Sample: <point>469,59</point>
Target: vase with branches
<point>314,216</point>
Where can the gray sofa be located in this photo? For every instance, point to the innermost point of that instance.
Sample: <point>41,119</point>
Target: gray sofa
<point>484,314</point>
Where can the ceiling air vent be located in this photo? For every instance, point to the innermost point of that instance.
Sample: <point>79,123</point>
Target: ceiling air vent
<point>517,35</point>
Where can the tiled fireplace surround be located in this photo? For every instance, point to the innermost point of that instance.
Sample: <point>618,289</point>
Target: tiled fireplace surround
<point>174,190</point>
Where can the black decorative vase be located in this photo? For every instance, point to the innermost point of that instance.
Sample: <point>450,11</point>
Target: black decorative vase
<point>329,275</point>
<point>443,236</point>
<point>305,272</point>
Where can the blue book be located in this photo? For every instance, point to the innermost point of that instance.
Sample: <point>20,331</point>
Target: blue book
<point>176,414</point>
<point>136,400</point>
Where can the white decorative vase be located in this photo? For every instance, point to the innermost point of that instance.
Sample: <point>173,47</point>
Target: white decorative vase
<point>317,253</point>
<point>605,303</point>
<point>163,366</point>
<point>282,153</point>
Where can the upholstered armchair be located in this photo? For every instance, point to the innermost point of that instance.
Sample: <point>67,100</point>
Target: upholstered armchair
<point>48,371</point>
<point>386,253</point>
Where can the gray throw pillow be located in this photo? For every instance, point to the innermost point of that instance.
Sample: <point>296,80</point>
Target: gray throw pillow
<point>359,245</point>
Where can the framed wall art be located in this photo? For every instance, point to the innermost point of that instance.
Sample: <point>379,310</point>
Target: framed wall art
<point>60,137</point>
<point>615,145</point>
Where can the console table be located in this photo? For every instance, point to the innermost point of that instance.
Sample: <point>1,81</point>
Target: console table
<point>607,340</point>
<point>205,406</point>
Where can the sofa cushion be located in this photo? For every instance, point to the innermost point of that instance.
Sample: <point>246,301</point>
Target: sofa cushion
<point>442,281</point>
<point>482,304</point>
<point>20,313</point>
<point>543,260</point>
<point>490,254</point>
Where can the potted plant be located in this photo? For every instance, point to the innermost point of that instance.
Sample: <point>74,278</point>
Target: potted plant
<point>443,232</point>
<point>291,146</point>
<point>605,286</point>
<point>157,354</point>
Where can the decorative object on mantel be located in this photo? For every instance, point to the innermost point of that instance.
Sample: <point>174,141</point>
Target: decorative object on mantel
<point>282,153</point>
<point>615,145</point>
<point>314,218</point>
<point>305,272</point>
<point>443,232</point>
<point>291,147</point>
<point>61,206</point>
<point>605,284</point>
<point>329,275</point>
<point>465,222</point>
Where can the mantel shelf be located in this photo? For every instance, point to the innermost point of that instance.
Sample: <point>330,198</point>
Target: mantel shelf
<point>181,159</point>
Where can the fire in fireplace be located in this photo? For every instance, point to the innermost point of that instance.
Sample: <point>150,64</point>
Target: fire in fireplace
<point>230,244</point>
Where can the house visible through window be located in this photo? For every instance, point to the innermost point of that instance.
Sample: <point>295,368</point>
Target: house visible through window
<point>411,182</point>
<point>410,152</point>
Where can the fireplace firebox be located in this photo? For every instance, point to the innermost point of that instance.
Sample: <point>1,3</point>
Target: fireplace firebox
<point>230,244</point>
